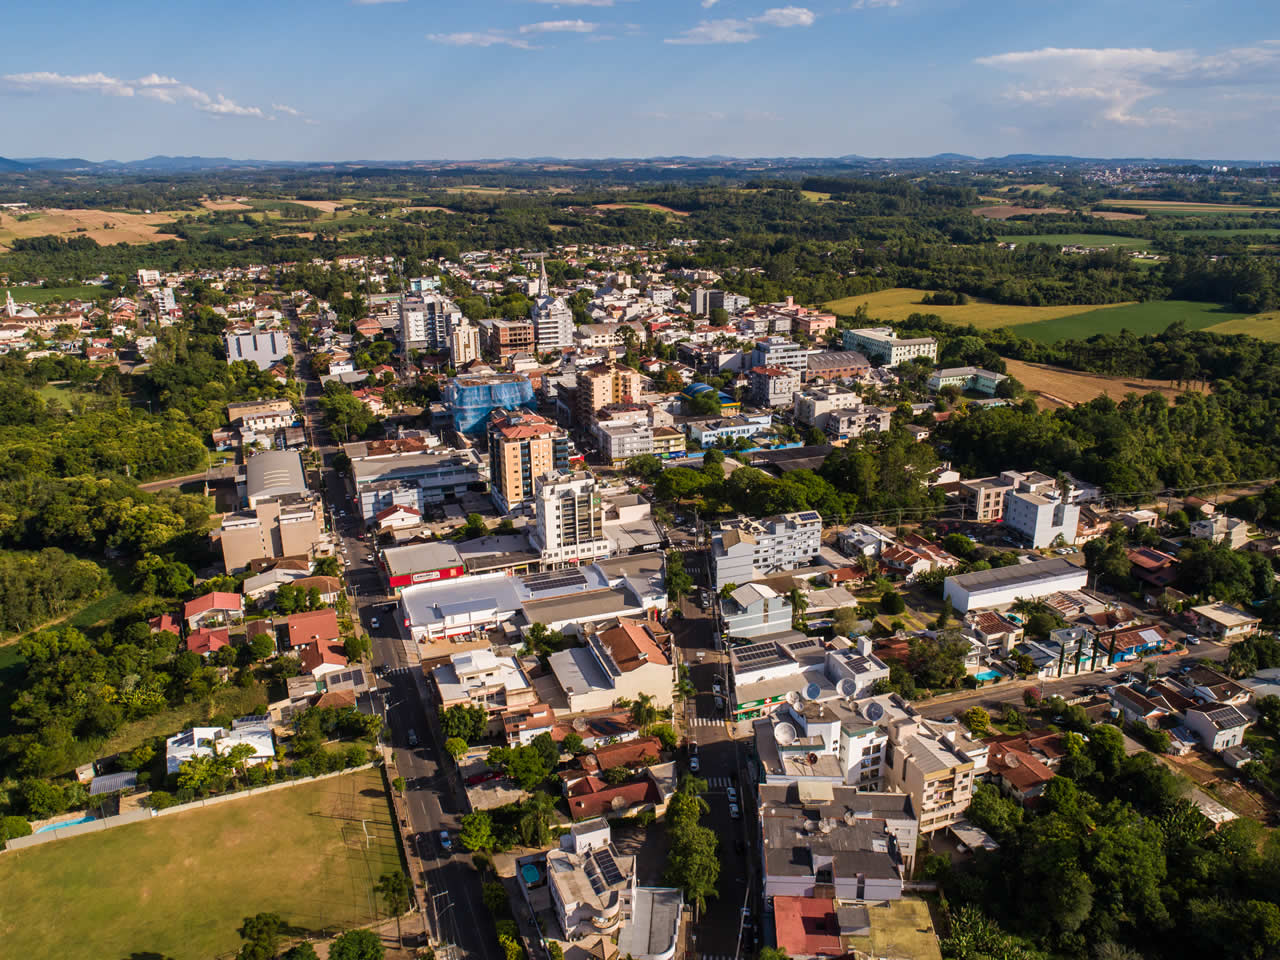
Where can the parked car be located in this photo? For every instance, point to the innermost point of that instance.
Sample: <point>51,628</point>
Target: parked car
<point>693,763</point>
<point>412,737</point>
<point>735,811</point>
<point>715,688</point>
<point>373,622</point>
<point>732,793</point>
<point>1193,641</point>
<point>445,843</point>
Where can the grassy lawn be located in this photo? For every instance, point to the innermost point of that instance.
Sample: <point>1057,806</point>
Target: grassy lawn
<point>1264,326</point>
<point>1140,318</point>
<point>900,928</point>
<point>1080,240</point>
<point>179,886</point>
<point>43,295</point>
<point>895,305</point>
<point>816,196</point>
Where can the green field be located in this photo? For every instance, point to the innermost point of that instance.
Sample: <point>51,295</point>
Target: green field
<point>179,886</point>
<point>1232,232</point>
<point>1080,240</point>
<point>895,305</point>
<point>1139,318</point>
<point>43,295</point>
<point>1174,208</point>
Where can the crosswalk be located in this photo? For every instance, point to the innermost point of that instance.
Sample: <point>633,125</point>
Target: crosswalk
<point>706,722</point>
<point>719,783</point>
<point>716,956</point>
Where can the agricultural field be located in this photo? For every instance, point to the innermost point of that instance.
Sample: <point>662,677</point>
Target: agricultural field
<point>1003,211</point>
<point>895,305</point>
<point>1153,316</point>
<point>655,207</point>
<point>1056,387</point>
<point>1260,232</point>
<point>1080,240</point>
<point>104,226</point>
<point>302,852</point>
<point>50,294</point>
<point>1264,326</point>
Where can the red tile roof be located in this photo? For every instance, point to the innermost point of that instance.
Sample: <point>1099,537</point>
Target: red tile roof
<point>208,640</point>
<point>613,798</point>
<point>314,655</point>
<point>164,622</point>
<point>629,753</point>
<point>632,646</point>
<point>217,600</point>
<point>318,625</point>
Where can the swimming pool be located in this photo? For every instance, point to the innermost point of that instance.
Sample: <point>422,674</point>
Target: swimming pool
<point>66,823</point>
<point>988,675</point>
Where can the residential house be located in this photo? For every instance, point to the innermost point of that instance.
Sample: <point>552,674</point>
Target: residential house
<point>486,679</point>
<point>620,660</point>
<point>213,609</point>
<point>1153,567</point>
<point>1219,727</point>
<point>1230,531</point>
<point>207,640</point>
<point>206,741</point>
<point>755,610</point>
<point>322,658</point>
<point>316,626</point>
<point>1226,622</point>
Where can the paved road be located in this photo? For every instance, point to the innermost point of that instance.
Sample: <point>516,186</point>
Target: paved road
<point>449,888</point>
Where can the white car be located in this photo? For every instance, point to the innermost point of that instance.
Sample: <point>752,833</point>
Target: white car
<point>735,811</point>
<point>732,793</point>
<point>715,688</point>
<point>373,622</point>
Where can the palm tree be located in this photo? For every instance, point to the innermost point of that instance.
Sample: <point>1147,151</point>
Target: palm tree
<point>799,604</point>
<point>643,713</point>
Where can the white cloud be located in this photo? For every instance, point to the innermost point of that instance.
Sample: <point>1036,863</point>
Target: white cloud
<point>743,31</point>
<point>283,108</point>
<point>1074,59</point>
<point>716,31</point>
<point>786,17</point>
<point>152,86</point>
<point>874,4</point>
<point>559,26</point>
<point>489,39</point>
<point>708,4</point>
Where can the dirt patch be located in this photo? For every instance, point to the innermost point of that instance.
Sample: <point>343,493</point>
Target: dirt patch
<point>1057,387</point>
<point>1116,215</point>
<point>657,207</point>
<point>1004,211</point>
<point>225,205</point>
<point>328,206</point>
<point>103,226</point>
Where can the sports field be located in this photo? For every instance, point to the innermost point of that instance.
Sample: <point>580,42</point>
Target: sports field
<point>50,294</point>
<point>1079,240</point>
<point>1056,387</point>
<point>895,305</point>
<point>1153,316</point>
<point>179,886</point>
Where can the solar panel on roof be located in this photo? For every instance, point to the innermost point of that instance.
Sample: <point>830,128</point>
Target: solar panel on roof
<point>810,515</point>
<point>540,583</point>
<point>608,867</point>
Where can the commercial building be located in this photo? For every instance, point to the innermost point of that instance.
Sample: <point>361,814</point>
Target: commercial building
<point>668,442</point>
<point>1021,581</point>
<point>773,386</point>
<point>881,343</point>
<point>966,378</point>
<point>792,672</point>
<point>568,519</point>
<point>780,352</point>
<point>830,841</point>
<point>427,321</point>
<point>261,416</point>
<point>1041,520</point>
<point>600,388</point>
<point>482,678</point>
<point>420,563</point>
<point>263,350</point>
<point>714,433</point>
<point>522,447</point>
<point>620,442</point>
<point>695,390</point>
<point>473,399</point>
<point>504,338</point>
<point>745,549</point>
<point>281,519</point>
<point>388,473</point>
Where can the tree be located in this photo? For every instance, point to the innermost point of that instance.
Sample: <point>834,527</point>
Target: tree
<point>464,721</point>
<point>474,528</point>
<point>977,720</point>
<point>546,747</point>
<point>357,945</point>
<point>455,747</point>
<point>476,832</point>
<point>393,887</point>
<point>616,776</point>
<point>356,647</point>
<point>398,784</point>
<point>527,767</point>
<point>666,734</point>
<point>643,713</point>
<point>12,827</point>
<point>572,744</point>
<point>679,583</point>
<point>261,646</point>
<point>773,953</point>
<point>799,604</point>
<point>301,951</point>
<point>891,602</point>
<point>261,936</point>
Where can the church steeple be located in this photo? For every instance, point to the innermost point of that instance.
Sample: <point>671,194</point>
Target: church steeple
<point>544,288</point>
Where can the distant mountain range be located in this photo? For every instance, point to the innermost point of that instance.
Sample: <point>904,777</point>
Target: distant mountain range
<point>164,164</point>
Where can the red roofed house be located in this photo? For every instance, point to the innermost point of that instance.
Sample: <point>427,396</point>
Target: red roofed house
<point>213,609</point>
<point>317,626</point>
<point>165,623</point>
<point>629,754</point>
<point>208,640</point>
<point>327,587</point>
<point>322,658</point>
<point>807,927</point>
<point>1152,566</point>
<point>397,516</point>
<point>1024,763</point>
<point>592,797</point>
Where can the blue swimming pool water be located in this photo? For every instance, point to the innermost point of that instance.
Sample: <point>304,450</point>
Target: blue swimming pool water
<point>66,823</point>
<point>988,675</point>
<point>530,874</point>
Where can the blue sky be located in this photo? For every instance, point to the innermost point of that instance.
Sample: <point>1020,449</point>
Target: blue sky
<point>422,79</point>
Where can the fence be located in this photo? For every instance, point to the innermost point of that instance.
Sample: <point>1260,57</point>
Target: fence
<point>136,816</point>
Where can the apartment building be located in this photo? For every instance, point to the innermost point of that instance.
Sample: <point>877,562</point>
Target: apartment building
<point>568,519</point>
<point>668,442</point>
<point>620,442</point>
<point>472,399</point>
<point>966,378</point>
<point>504,338</point>
<point>522,447</point>
<point>260,416</point>
<point>755,610</point>
<point>281,519</point>
<point>427,321</point>
<point>883,344</point>
<point>1041,520</point>
<point>986,497</point>
<point>773,386</point>
<point>552,324</point>
<point>464,344</point>
<point>780,352</point>
<point>746,549</point>
<point>702,301</point>
<point>601,388</point>
<point>713,433</point>
<point>482,678</point>
<point>812,405</point>
<point>847,424</point>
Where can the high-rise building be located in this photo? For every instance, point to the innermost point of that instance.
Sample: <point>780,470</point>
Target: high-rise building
<point>504,338</point>
<point>569,519</point>
<point>426,321</point>
<point>600,387</point>
<point>522,447</point>
<point>464,343</point>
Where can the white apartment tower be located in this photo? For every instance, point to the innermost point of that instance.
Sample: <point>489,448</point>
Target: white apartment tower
<point>568,519</point>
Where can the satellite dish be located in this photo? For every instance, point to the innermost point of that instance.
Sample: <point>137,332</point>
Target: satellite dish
<point>1011,759</point>
<point>874,711</point>
<point>579,724</point>
<point>849,818</point>
<point>846,687</point>
<point>811,826</point>
<point>825,826</point>
<point>793,698</point>
<point>813,759</point>
<point>812,691</point>
<point>618,803</point>
<point>784,733</point>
